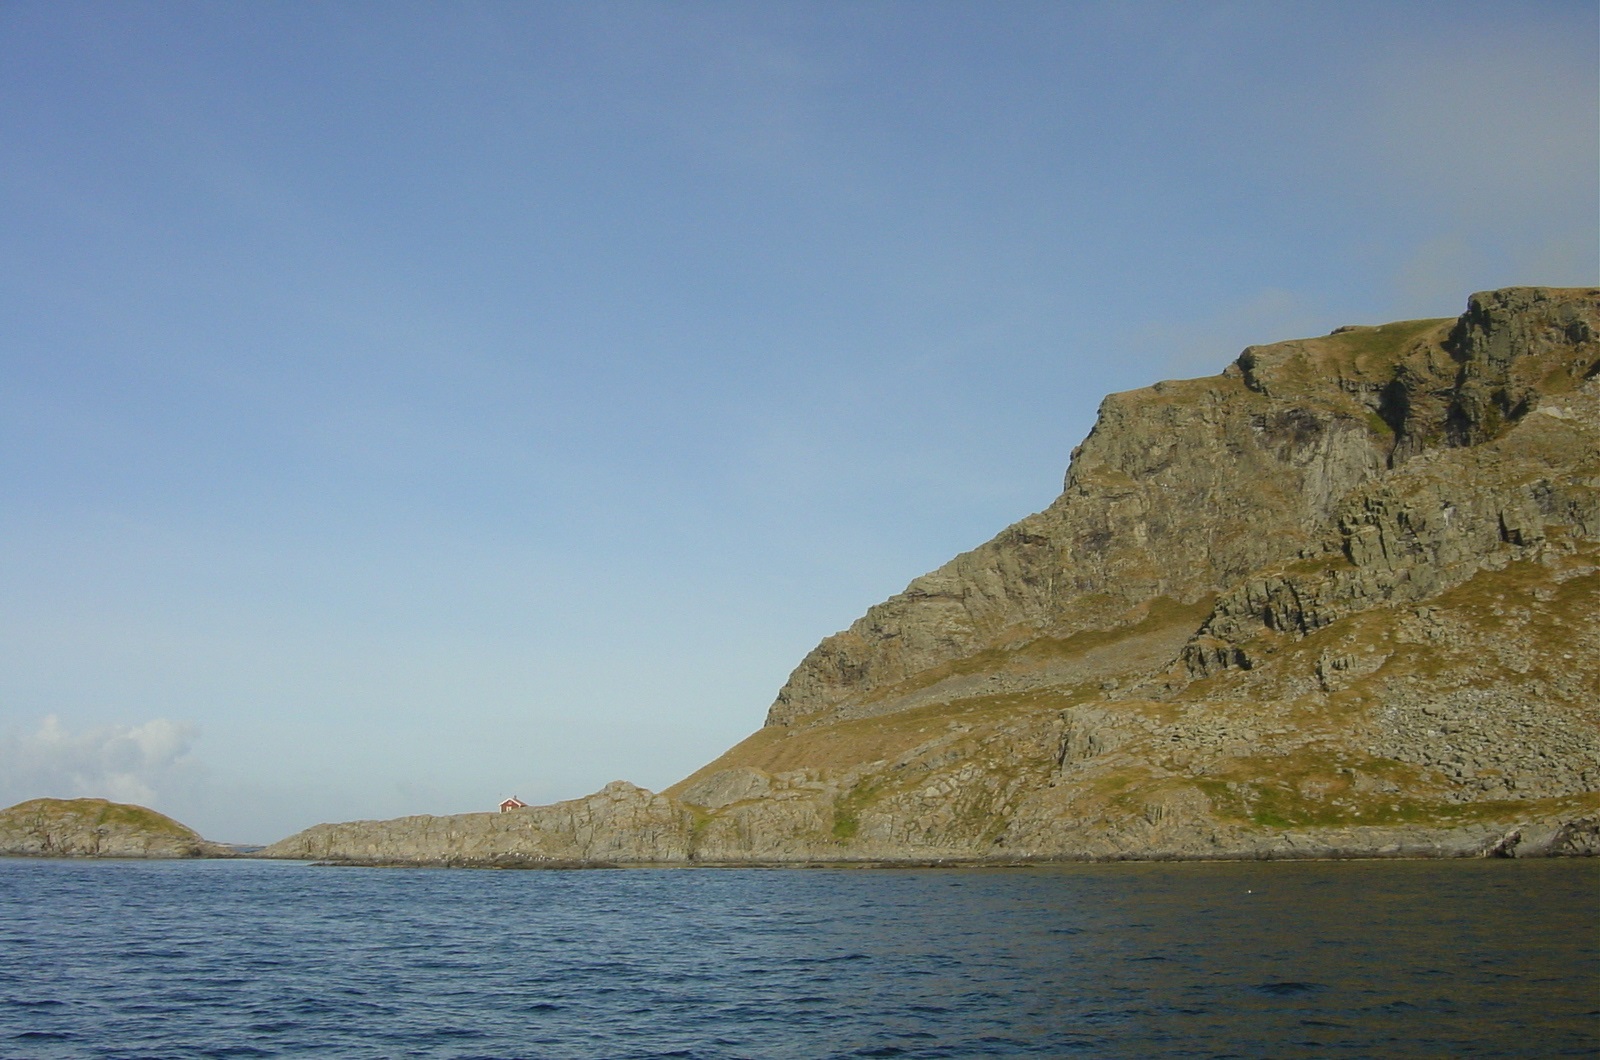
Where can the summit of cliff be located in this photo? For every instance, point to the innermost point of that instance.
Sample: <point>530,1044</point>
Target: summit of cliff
<point>1342,598</point>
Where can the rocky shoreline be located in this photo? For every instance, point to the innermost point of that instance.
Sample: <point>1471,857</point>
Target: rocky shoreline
<point>488,841</point>
<point>1565,839</point>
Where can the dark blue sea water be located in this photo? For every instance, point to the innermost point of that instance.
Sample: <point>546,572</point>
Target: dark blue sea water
<point>248,959</point>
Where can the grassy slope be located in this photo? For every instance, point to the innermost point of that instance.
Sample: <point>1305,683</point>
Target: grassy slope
<point>94,813</point>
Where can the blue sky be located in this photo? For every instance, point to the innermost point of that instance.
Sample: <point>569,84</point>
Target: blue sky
<point>407,405</point>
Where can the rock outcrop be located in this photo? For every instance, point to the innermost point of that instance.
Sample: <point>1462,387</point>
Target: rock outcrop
<point>620,823</point>
<point>96,828</point>
<point>1341,599</point>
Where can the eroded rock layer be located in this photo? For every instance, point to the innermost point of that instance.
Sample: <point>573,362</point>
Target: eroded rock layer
<point>1342,599</point>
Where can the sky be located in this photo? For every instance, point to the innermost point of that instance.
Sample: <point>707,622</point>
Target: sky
<point>404,406</point>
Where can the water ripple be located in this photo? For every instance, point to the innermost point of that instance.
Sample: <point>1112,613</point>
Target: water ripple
<point>245,959</point>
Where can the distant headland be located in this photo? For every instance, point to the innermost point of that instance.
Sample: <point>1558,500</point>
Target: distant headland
<point>98,828</point>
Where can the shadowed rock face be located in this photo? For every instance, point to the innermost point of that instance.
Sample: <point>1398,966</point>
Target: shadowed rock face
<point>1343,598</point>
<point>98,828</point>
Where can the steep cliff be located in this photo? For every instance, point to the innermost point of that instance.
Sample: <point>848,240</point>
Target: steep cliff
<point>1342,598</point>
<point>99,829</point>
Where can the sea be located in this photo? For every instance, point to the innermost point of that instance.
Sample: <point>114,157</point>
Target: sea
<point>247,958</point>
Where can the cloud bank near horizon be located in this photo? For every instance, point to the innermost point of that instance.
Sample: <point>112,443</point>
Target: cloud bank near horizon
<point>123,763</point>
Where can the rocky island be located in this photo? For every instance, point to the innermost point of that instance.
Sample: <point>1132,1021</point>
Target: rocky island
<point>1342,599</point>
<point>96,828</point>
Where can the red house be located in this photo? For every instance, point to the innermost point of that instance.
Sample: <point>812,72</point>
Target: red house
<point>512,803</point>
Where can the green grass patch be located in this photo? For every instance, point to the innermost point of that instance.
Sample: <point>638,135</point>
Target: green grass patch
<point>700,819</point>
<point>1366,349</point>
<point>847,808</point>
<point>1278,799</point>
<point>96,813</point>
<point>1368,353</point>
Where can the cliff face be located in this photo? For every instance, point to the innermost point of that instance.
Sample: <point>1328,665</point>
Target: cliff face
<point>97,828</point>
<point>1185,489</point>
<point>1342,598</point>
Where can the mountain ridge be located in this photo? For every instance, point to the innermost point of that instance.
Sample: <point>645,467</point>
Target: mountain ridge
<point>1258,621</point>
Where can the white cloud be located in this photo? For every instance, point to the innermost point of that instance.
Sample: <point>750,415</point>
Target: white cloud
<point>123,763</point>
